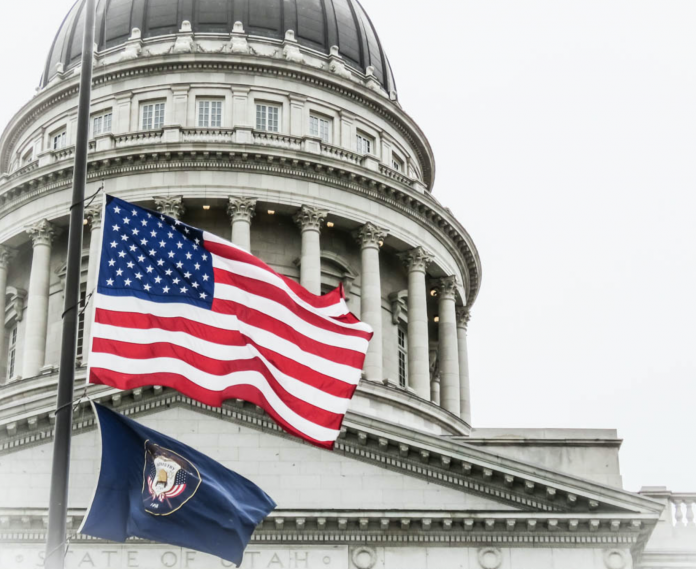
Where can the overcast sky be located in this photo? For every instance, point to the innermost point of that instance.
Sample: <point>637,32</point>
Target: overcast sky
<point>565,139</point>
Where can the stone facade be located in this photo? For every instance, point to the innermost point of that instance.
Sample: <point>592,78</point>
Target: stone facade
<point>331,187</point>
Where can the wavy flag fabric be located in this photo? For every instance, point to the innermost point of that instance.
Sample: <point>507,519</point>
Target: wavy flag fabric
<point>154,487</point>
<point>180,307</point>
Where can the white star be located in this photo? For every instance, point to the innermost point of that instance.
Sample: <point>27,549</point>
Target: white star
<point>162,217</point>
<point>138,276</point>
<point>168,272</point>
<point>159,224</point>
<point>152,252</point>
<point>132,248</point>
<point>147,287</point>
<point>126,220</point>
<point>205,278</point>
<point>124,237</point>
<point>116,228</point>
<point>130,265</point>
<point>117,209</point>
<point>177,222</point>
<point>158,279</point>
<point>176,281</point>
<point>153,233</point>
<point>127,282</point>
<point>197,241</point>
<point>184,290</point>
<point>195,285</point>
<point>119,272</point>
<point>135,213</point>
<point>149,215</point>
<point>121,254</point>
<point>110,282</point>
<point>170,235</point>
<point>163,243</point>
<point>135,231</point>
<point>205,257</point>
<point>203,295</point>
<point>189,256</point>
<point>187,275</point>
<point>179,265</point>
<point>186,229</point>
<point>112,262</point>
<point>141,258</point>
<point>165,290</point>
<point>113,244</point>
<point>143,241</point>
<point>171,254</point>
<point>195,247</point>
<point>144,222</point>
<point>149,269</point>
<point>179,245</point>
<point>198,267</point>
<point>160,262</point>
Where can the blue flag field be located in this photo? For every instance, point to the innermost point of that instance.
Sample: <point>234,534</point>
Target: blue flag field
<point>156,488</point>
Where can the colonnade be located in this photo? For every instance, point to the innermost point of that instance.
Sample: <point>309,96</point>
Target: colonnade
<point>452,322</point>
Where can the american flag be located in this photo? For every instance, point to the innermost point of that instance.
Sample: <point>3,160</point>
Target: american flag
<point>179,307</point>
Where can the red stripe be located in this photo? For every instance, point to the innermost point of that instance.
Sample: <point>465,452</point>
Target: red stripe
<point>194,391</point>
<point>303,408</point>
<point>261,320</point>
<point>266,290</point>
<point>227,252</point>
<point>211,334</point>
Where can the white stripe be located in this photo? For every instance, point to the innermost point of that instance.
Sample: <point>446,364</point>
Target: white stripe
<point>222,353</point>
<point>285,315</point>
<point>229,322</point>
<point>119,364</point>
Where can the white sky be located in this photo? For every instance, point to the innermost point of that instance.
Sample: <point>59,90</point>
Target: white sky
<point>565,137</point>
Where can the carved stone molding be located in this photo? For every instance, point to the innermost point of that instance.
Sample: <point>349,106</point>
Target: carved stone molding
<point>490,558</point>
<point>42,233</point>
<point>417,259</point>
<point>241,209</point>
<point>447,287</point>
<point>173,206</point>
<point>94,216</point>
<point>6,255</point>
<point>399,306</point>
<point>463,318</point>
<point>369,235</point>
<point>310,218</point>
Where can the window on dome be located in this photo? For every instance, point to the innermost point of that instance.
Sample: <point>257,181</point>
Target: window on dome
<point>152,116</point>
<point>12,354</point>
<point>403,357</point>
<point>397,163</point>
<point>60,140</point>
<point>101,124</point>
<point>320,127</point>
<point>209,114</point>
<point>267,118</point>
<point>28,157</point>
<point>364,144</point>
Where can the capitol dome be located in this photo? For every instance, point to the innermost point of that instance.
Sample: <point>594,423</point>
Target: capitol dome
<point>317,25</point>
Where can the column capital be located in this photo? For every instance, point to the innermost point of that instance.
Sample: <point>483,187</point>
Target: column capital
<point>241,209</point>
<point>463,317</point>
<point>447,287</point>
<point>417,259</point>
<point>6,255</point>
<point>42,232</point>
<point>310,218</point>
<point>94,216</point>
<point>370,235</point>
<point>173,206</point>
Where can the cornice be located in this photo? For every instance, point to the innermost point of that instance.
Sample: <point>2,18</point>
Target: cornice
<point>276,161</point>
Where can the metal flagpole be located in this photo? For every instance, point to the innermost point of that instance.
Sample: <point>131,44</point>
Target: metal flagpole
<point>58,505</point>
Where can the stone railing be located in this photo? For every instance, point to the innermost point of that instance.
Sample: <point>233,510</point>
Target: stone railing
<point>277,140</point>
<point>394,175</point>
<point>63,153</point>
<point>341,154</point>
<point>683,508</point>
<point>137,138</point>
<point>207,135</point>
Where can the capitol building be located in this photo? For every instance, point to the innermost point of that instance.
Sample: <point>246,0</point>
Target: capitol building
<point>277,124</point>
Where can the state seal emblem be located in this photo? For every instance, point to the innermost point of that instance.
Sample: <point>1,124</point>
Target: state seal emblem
<point>169,480</point>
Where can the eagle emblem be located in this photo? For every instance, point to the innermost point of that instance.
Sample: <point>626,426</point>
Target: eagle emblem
<point>169,480</point>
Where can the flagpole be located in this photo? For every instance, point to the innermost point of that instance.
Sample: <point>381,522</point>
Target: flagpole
<point>58,505</point>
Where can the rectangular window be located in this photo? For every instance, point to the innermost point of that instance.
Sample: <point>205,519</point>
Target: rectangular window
<point>320,127</point>
<point>12,354</point>
<point>397,163</point>
<point>28,157</point>
<point>403,358</point>
<point>152,116</point>
<point>364,144</point>
<point>60,140</point>
<point>210,114</point>
<point>81,325</point>
<point>267,118</point>
<point>101,124</point>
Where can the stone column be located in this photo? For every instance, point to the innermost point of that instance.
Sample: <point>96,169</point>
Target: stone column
<point>6,255</point>
<point>463,318</point>
<point>448,356</point>
<point>42,235</point>
<point>417,261</point>
<point>297,115</point>
<point>241,210</point>
<point>173,206</point>
<point>310,220</point>
<point>370,238</point>
<point>94,215</point>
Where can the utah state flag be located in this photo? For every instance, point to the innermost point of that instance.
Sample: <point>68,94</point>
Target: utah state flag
<point>153,487</point>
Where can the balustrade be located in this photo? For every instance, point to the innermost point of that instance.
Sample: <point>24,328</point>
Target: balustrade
<point>683,509</point>
<point>136,138</point>
<point>277,140</point>
<point>341,154</point>
<point>208,135</point>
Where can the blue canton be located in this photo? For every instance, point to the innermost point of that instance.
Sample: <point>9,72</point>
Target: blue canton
<point>154,257</point>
